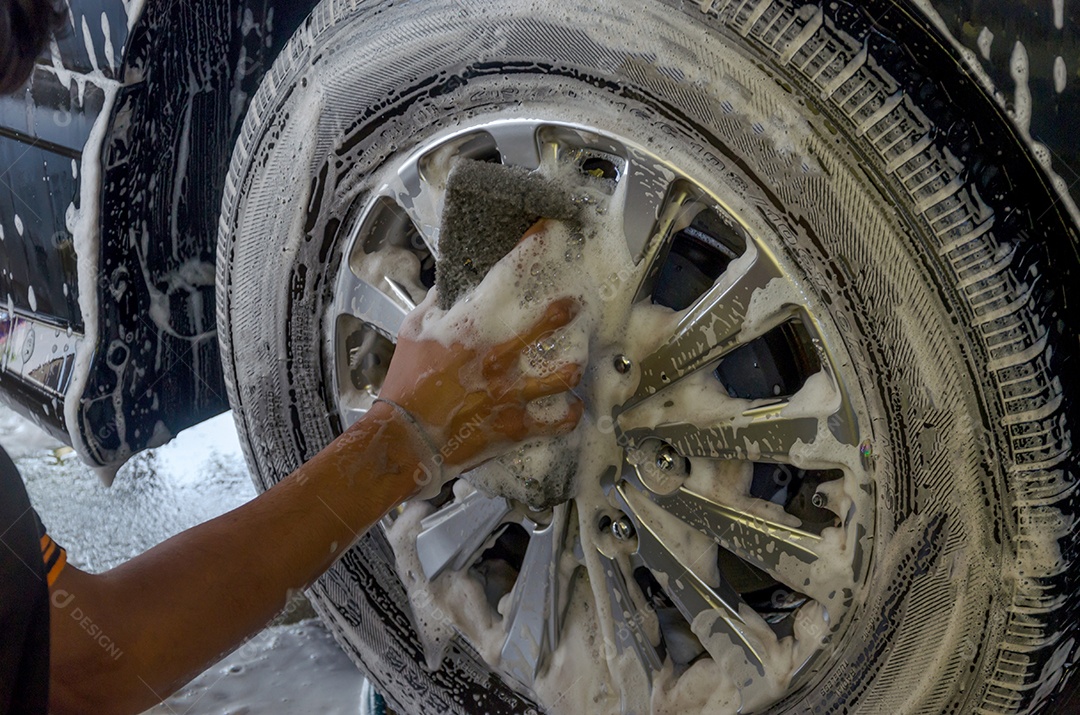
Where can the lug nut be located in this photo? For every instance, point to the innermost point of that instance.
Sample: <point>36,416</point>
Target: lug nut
<point>665,458</point>
<point>622,529</point>
<point>622,364</point>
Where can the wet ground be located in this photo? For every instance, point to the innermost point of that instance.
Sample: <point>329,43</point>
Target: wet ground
<point>291,667</point>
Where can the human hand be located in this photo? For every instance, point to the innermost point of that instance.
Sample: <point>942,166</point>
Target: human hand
<point>473,400</point>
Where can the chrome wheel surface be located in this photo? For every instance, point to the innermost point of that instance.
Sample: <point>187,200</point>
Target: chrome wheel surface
<point>717,520</point>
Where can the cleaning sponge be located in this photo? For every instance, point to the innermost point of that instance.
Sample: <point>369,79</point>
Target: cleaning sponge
<point>487,208</point>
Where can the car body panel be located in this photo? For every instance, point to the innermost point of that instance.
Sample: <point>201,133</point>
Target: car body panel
<point>43,130</point>
<point>190,71</point>
<point>1049,37</point>
<point>175,79</point>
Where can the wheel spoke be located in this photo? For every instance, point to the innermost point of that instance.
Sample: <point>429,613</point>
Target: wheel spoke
<point>644,188</point>
<point>401,293</point>
<point>784,552</point>
<point>359,298</point>
<point>350,415</point>
<point>719,607</point>
<point>532,630</point>
<point>420,200</point>
<point>453,536</point>
<point>763,434</point>
<point>517,143</point>
<point>629,633</point>
<point>717,323</point>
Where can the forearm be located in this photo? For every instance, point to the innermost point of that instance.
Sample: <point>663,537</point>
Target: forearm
<point>183,604</point>
<point>178,607</point>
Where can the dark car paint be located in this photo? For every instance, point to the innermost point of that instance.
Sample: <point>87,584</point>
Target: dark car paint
<point>1054,119</point>
<point>42,131</point>
<point>198,64</point>
<point>188,70</point>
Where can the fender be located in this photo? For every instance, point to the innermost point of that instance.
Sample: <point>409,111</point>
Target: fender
<point>138,107</point>
<point>190,70</point>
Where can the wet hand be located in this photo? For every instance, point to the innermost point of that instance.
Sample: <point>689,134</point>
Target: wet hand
<point>474,399</point>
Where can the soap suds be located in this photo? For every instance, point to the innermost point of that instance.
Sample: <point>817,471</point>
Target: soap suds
<point>110,52</point>
<point>1060,74</point>
<point>84,226</point>
<point>589,261</point>
<point>1018,70</point>
<point>88,43</point>
<point>984,40</point>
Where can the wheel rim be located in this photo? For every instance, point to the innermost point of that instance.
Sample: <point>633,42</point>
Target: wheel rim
<point>736,531</point>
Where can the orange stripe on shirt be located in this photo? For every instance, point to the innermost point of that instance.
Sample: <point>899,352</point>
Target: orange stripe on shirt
<point>52,552</point>
<point>54,572</point>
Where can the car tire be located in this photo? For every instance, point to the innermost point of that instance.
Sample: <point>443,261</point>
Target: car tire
<point>890,180</point>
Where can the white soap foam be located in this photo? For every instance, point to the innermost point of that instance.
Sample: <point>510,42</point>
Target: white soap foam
<point>83,224</point>
<point>585,674</point>
<point>88,43</point>
<point>1019,71</point>
<point>133,10</point>
<point>983,41</point>
<point>110,51</point>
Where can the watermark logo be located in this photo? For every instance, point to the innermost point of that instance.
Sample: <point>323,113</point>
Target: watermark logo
<point>62,600</point>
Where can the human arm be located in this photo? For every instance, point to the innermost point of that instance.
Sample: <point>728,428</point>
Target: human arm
<point>178,607</point>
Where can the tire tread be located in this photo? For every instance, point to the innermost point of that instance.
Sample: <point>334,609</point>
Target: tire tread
<point>999,309</point>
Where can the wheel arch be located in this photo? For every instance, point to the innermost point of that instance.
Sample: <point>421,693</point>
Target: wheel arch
<point>189,72</point>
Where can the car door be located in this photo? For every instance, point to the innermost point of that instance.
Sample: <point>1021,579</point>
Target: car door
<point>43,131</point>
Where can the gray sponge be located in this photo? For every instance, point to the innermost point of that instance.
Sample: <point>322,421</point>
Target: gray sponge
<point>487,208</point>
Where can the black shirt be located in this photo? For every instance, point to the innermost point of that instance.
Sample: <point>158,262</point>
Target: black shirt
<point>24,598</point>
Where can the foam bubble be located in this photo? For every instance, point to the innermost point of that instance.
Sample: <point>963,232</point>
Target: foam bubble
<point>984,41</point>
